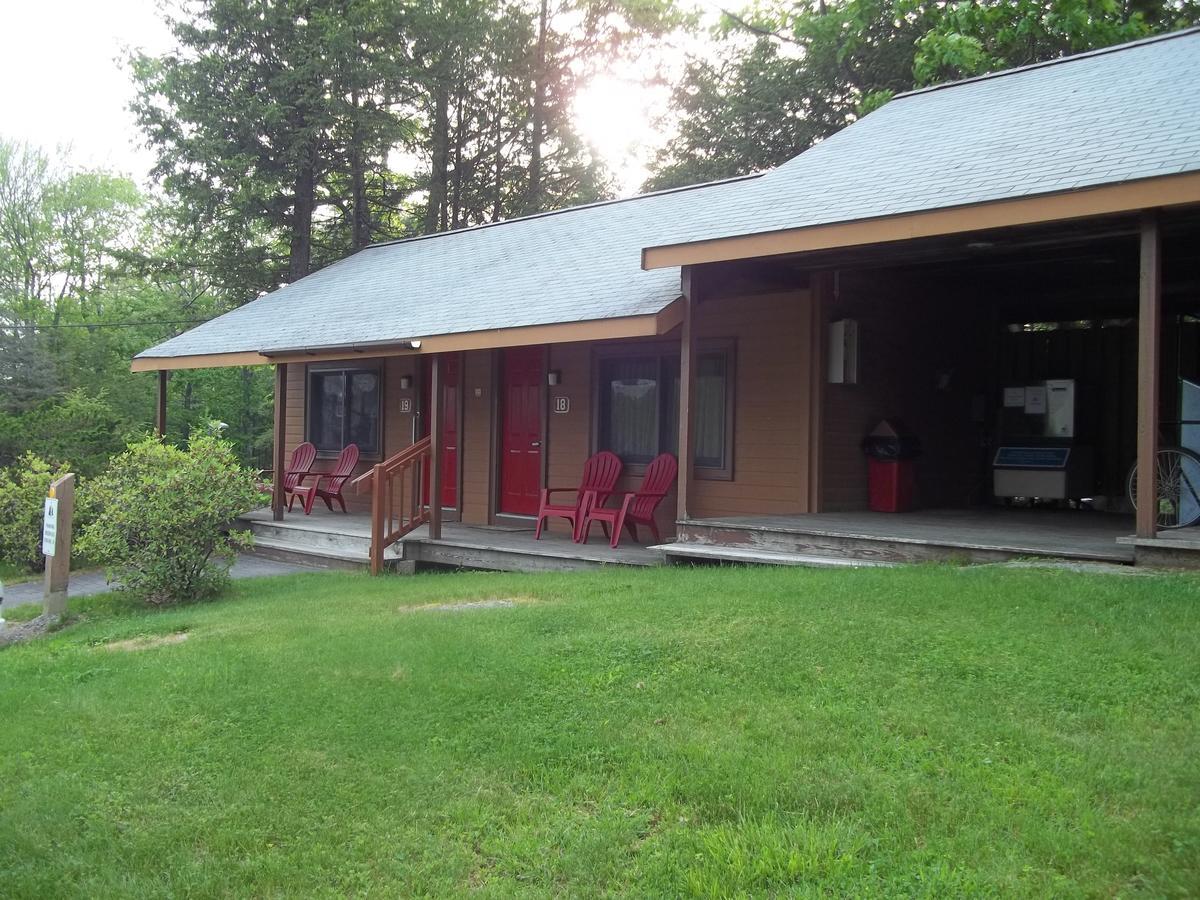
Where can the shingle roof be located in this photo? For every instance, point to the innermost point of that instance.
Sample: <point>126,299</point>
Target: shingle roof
<point>574,265</point>
<point>1105,117</point>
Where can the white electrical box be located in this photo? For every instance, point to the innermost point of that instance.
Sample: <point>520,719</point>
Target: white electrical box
<point>843,352</point>
<point>1060,408</point>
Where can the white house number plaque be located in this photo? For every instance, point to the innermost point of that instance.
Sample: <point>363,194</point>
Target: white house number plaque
<point>562,405</point>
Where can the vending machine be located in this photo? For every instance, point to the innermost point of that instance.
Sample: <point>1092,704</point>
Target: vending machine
<point>1040,454</point>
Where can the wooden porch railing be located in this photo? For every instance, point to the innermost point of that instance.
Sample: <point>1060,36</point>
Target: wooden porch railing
<point>398,505</point>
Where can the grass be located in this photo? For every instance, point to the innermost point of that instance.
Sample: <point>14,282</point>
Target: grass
<point>929,731</point>
<point>12,574</point>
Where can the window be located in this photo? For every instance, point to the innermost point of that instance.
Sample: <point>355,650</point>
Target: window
<point>343,408</point>
<point>638,407</point>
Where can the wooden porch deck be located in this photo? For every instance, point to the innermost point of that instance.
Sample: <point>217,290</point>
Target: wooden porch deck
<point>827,539</point>
<point>974,535</point>
<point>343,540</point>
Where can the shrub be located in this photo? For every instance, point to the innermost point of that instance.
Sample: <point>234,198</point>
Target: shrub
<point>23,489</point>
<point>161,514</point>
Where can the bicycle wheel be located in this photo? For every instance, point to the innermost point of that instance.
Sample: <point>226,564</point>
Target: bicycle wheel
<point>1177,472</point>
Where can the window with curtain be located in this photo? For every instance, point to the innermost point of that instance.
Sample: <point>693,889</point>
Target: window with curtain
<point>343,408</point>
<point>638,408</point>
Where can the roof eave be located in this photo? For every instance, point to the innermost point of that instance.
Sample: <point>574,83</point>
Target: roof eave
<point>1129,196</point>
<point>647,325</point>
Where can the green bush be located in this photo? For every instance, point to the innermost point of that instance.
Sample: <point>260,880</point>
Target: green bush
<point>161,515</point>
<point>23,489</point>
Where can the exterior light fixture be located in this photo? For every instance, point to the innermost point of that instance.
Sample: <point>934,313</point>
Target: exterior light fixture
<point>416,345</point>
<point>405,382</point>
<point>554,377</point>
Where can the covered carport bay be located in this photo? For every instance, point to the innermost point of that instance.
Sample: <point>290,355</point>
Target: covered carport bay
<point>1095,156</point>
<point>943,326</point>
<point>947,327</point>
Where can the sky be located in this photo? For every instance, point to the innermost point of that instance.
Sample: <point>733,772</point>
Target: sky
<point>62,85</point>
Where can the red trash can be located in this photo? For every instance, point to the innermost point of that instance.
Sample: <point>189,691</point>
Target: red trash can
<point>890,484</point>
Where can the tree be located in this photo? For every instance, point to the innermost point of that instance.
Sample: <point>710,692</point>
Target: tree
<point>62,235</point>
<point>974,38</point>
<point>500,79</point>
<point>89,276</point>
<point>271,118</point>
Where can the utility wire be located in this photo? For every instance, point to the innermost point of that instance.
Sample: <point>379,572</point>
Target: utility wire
<point>105,324</point>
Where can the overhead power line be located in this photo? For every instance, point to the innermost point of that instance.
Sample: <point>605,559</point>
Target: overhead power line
<point>106,324</point>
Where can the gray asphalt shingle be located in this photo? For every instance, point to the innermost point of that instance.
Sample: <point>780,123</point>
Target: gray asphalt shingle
<point>575,265</point>
<point>1105,117</point>
<point>1100,118</point>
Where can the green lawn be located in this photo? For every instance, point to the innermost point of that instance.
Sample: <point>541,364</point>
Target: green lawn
<point>11,574</point>
<point>918,732</point>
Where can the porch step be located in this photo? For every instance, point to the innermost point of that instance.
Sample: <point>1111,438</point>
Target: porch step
<point>509,556</point>
<point>689,550</point>
<point>287,551</point>
<point>314,543</point>
<point>318,536</point>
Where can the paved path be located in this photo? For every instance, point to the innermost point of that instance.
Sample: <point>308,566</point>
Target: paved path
<point>85,583</point>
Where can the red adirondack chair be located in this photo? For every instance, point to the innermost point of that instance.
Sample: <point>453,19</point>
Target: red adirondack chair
<point>298,468</point>
<point>637,507</point>
<point>600,474</point>
<point>328,485</point>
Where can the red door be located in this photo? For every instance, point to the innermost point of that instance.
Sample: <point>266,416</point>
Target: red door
<point>522,371</point>
<point>449,425</point>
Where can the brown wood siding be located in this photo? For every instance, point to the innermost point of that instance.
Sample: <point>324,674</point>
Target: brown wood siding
<point>569,435</point>
<point>397,426</point>
<point>476,450</point>
<point>770,335</point>
<point>771,403</point>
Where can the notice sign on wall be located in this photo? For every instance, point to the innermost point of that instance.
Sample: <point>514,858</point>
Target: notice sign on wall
<point>50,526</point>
<point>1035,400</point>
<point>1014,397</point>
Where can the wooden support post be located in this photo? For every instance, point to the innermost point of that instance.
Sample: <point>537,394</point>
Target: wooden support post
<point>378,517</point>
<point>160,414</point>
<point>58,563</point>
<point>687,392</point>
<point>1149,338</point>
<point>435,447</point>
<point>278,460</point>
<point>820,292</point>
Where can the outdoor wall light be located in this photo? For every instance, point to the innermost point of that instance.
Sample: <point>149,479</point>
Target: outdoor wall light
<point>405,382</point>
<point>554,378</point>
<point>416,345</point>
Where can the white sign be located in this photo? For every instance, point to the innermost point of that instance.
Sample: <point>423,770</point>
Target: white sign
<point>405,405</point>
<point>562,404</point>
<point>1014,397</point>
<point>50,526</point>
<point>1035,400</point>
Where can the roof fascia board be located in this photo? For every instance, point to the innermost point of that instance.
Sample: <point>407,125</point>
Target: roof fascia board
<point>1131,196</point>
<point>655,324</point>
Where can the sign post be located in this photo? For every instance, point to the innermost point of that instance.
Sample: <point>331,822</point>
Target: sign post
<point>56,544</point>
